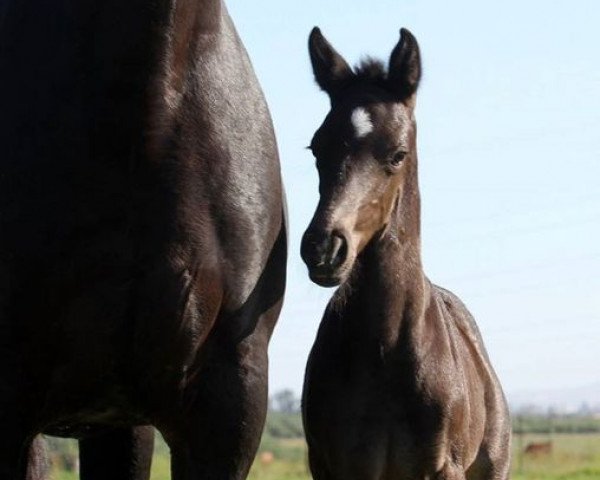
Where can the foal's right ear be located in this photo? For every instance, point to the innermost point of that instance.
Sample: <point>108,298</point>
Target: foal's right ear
<point>405,66</point>
<point>330,69</point>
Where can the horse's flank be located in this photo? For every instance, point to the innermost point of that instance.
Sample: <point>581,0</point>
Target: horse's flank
<point>142,238</point>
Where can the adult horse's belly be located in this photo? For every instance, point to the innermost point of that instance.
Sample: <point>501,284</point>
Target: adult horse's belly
<point>99,334</point>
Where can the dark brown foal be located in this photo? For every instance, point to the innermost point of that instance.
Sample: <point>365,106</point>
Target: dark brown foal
<point>398,384</point>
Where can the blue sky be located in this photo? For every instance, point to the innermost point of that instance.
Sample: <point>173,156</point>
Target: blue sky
<point>509,151</point>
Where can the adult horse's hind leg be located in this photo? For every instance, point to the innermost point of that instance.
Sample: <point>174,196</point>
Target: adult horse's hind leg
<point>120,454</point>
<point>216,438</point>
<point>318,469</point>
<point>22,459</point>
<point>37,460</point>
<point>22,455</point>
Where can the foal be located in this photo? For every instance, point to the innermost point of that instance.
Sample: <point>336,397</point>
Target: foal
<point>398,384</point>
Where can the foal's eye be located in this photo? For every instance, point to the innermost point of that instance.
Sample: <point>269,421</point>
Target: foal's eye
<point>398,158</point>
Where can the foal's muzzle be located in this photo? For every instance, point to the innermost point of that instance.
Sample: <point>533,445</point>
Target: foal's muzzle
<point>324,253</point>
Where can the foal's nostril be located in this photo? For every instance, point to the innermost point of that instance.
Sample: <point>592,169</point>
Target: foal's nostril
<point>323,250</point>
<point>338,251</point>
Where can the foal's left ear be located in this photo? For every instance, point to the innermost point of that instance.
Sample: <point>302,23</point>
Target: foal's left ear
<point>330,69</point>
<point>405,66</point>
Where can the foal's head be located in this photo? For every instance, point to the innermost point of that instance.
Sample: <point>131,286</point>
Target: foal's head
<point>365,152</point>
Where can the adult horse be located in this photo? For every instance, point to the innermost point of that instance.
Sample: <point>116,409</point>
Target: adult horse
<point>398,384</point>
<point>142,237</point>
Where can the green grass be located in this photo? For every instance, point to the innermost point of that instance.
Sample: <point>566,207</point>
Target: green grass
<point>574,457</point>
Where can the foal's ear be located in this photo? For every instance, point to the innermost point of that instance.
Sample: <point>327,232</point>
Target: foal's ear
<point>405,66</point>
<point>330,69</point>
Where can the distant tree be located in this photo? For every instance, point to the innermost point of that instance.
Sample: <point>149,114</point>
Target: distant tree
<point>585,410</point>
<point>285,401</point>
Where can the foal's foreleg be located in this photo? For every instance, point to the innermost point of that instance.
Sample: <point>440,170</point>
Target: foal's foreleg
<point>451,471</point>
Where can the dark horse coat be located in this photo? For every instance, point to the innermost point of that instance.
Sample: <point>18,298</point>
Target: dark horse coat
<point>398,385</point>
<point>142,236</point>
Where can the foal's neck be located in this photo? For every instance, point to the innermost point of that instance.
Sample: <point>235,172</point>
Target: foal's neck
<point>389,287</point>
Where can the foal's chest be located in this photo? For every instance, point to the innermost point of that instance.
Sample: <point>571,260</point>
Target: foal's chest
<point>366,419</point>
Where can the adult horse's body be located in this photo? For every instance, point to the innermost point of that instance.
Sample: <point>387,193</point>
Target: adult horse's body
<point>142,236</point>
<point>398,384</point>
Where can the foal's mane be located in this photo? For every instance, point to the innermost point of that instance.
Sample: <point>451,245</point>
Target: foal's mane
<point>370,71</point>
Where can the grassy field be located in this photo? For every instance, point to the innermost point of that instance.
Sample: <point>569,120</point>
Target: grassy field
<point>573,457</point>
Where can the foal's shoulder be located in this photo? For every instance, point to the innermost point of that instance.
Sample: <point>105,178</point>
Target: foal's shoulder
<point>456,312</point>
